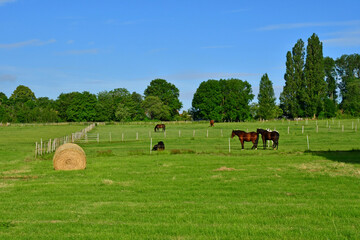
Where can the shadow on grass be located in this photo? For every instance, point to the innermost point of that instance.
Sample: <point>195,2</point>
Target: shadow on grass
<point>351,156</point>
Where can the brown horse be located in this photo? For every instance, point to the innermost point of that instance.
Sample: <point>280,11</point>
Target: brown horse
<point>269,135</point>
<point>212,123</point>
<point>158,126</point>
<point>246,136</point>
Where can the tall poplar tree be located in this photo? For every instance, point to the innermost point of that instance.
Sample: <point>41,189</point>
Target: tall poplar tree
<point>266,98</point>
<point>298,53</point>
<point>288,101</point>
<point>292,98</point>
<point>314,77</point>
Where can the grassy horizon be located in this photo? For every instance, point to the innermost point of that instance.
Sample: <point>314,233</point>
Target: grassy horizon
<point>195,189</point>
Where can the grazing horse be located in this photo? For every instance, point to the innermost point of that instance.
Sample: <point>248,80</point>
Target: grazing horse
<point>246,136</point>
<point>158,126</point>
<point>159,147</point>
<point>269,135</point>
<point>212,123</point>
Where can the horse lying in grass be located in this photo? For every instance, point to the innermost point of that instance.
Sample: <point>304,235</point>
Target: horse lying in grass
<point>269,135</point>
<point>159,147</point>
<point>247,137</point>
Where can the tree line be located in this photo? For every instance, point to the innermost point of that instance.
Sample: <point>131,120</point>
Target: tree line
<point>315,87</point>
<point>160,101</point>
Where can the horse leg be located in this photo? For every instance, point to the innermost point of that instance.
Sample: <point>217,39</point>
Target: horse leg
<point>253,141</point>
<point>242,143</point>
<point>264,141</point>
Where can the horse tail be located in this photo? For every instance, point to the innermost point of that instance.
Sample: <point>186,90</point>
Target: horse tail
<point>155,128</point>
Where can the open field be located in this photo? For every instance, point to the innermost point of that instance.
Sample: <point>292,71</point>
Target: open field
<point>195,189</point>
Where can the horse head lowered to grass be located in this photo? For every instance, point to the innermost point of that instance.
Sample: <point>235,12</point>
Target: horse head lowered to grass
<point>159,126</point>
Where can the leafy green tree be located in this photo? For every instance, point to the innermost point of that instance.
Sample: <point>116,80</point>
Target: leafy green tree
<point>223,100</point>
<point>136,111</point>
<point>288,100</point>
<point>348,71</point>
<point>3,98</point>
<point>22,102</point>
<point>330,78</point>
<point>292,99</point>
<point>314,77</point>
<point>77,107</point>
<point>122,113</point>
<point>105,107</point>
<point>168,94</point>
<point>351,104</point>
<point>299,78</point>
<point>236,97</point>
<point>207,101</point>
<point>155,109</point>
<point>266,98</point>
<point>22,94</point>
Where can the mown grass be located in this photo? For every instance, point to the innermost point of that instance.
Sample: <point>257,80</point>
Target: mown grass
<point>195,189</point>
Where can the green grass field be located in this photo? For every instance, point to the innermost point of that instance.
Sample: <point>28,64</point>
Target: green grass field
<point>195,189</point>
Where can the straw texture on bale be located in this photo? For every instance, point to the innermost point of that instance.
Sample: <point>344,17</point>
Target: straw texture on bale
<point>69,156</point>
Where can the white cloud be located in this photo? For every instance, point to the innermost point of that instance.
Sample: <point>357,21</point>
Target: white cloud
<point>348,38</point>
<point>79,52</point>
<point>33,42</point>
<point>306,25</point>
<point>3,2</point>
<point>70,42</point>
<point>217,47</point>
<point>345,41</point>
<point>206,76</point>
<point>7,78</point>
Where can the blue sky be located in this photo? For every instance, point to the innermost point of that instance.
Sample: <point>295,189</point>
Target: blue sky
<point>62,46</point>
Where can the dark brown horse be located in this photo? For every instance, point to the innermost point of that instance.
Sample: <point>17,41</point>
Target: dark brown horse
<point>212,123</point>
<point>269,135</point>
<point>158,126</point>
<point>159,147</point>
<point>246,136</point>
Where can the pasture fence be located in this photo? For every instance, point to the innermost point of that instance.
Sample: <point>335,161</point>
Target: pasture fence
<point>51,145</point>
<point>192,134</point>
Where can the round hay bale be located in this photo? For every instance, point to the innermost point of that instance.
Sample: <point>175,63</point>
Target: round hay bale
<point>69,156</point>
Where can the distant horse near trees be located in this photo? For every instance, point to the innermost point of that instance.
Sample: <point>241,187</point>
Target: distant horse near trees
<point>269,135</point>
<point>247,137</point>
<point>159,126</point>
<point>212,123</point>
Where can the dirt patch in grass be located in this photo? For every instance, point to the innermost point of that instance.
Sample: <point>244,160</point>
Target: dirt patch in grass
<point>4,185</point>
<point>17,171</point>
<point>330,168</point>
<point>104,153</point>
<point>226,169</point>
<point>18,177</point>
<point>137,152</point>
<point>107,181</point>
<point>181,151</point>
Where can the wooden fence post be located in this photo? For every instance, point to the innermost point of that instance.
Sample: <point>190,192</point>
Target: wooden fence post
<point>307,137</point>
<point>150,145</point>
<point>229,146</point>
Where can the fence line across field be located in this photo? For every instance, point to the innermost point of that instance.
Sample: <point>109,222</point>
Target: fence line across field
<point>51,145</point>
<point>84,136</point>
